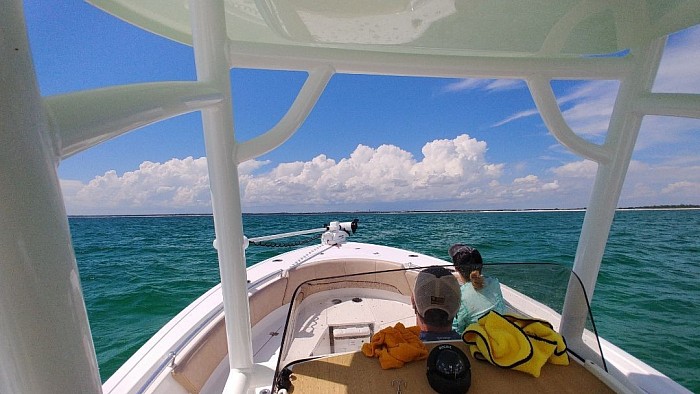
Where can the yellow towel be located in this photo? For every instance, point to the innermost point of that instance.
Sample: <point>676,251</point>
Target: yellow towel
<point>543,336</point>
<point>395,346</point>
<point>513,342</point>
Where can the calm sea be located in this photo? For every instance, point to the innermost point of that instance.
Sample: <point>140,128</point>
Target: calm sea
<point>138,272</point>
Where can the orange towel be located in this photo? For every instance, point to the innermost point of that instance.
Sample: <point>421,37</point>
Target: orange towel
<point>395,346</point>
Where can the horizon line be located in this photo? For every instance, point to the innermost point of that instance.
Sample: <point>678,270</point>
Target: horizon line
<point>640,208</point>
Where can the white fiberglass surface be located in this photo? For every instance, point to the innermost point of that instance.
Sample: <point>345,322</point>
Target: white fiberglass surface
<point>525,27</point>
<point>341,320</point>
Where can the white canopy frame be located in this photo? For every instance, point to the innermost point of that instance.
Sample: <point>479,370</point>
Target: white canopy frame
<point>44,323</point>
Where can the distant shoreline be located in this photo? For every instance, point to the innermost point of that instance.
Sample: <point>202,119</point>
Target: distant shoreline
<point>643,208</point>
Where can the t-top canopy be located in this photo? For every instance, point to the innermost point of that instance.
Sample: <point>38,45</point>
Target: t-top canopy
<point>554,28</point>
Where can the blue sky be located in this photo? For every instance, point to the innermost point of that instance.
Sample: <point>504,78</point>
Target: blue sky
<point>371,143</point>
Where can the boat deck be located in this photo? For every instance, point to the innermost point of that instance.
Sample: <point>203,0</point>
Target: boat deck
<point>339,321</point>
<point>330,318</point>
<point>355,373</point>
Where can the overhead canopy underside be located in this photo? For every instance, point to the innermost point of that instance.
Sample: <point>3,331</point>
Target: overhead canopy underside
<point>542,28</point>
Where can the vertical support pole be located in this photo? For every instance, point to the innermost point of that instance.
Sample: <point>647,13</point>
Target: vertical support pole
<point>45,340</point>
<point>620,141</point>
<point>210,43</point>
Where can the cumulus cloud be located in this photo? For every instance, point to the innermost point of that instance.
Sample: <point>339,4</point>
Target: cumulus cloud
<point>178,185</point>
<point>449,174</point>
<point>450,171</point>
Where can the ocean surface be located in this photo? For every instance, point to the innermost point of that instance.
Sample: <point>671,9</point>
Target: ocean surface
<point>138,272</point>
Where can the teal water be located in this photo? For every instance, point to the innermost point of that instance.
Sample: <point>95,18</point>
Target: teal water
<point>138,272</point>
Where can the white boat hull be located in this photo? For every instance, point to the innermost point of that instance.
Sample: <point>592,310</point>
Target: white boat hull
<point>163,363</point>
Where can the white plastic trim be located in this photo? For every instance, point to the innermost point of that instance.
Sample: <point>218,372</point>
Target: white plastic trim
<point>669,104</point>
<point>279,57</point>
<point>620,141</point>
<point>678,18</point>
<point>237,382</point>
<point>292,120</point>
<point>608,379</point>
<point>85,119</point>
<point>209,42</point>
<point>292,27</point>
<point>561,31</point>
<point>541,92</point>
<point>45,340</point>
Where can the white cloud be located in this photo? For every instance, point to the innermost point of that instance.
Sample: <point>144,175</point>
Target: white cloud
<point>504,84</point>
<point>551,186</point>
<point>588,106</point>
<point>577,169</point>
<point>449,169</point>
<point>251,166</point>
<point>526,192</point>
<point>589,113</point>
<point>531,179</point>
<point>464,84</point>
<point>679,71</point>
<point>451,174</point>
<point>489,85</point>
<point>683,187</point>
<point>516,116</point>
<point>178,185</point>
<point>669,182</point>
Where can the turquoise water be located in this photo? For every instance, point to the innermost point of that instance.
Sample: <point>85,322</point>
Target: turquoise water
<point>138,272</point>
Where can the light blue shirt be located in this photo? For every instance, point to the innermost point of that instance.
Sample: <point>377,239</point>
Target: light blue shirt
<point>476,303</point>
